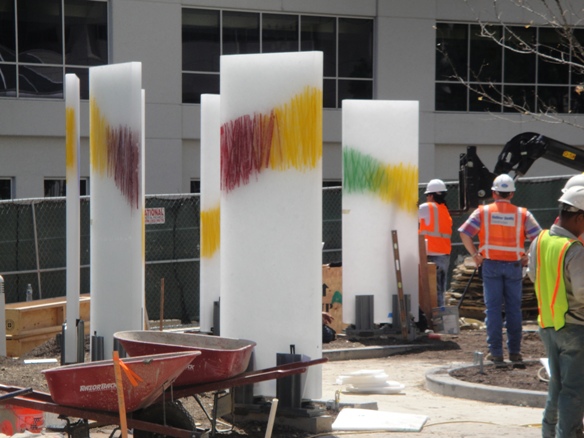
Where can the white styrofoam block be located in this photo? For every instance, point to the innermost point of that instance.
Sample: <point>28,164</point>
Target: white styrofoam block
<point>382,134</point>
<point>73,214</point>
<point>117,215</point>
<point>210,202</point>
<point>271,225</point>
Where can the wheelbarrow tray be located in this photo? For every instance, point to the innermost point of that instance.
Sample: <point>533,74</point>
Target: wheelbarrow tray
<point>221,358</point>
<point>92,385</point>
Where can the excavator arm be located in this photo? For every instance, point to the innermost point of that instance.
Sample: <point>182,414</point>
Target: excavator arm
<point>475,180</point>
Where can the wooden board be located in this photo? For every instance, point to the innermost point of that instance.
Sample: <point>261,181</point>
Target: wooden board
<point>332,296</point>
<point>32,323</point>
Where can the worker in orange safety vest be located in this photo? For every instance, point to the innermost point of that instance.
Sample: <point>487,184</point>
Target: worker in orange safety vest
<point>435,224</point>
<point>502,229</point>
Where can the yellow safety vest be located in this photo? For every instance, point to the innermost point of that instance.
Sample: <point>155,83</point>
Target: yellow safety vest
<point>550,289</point>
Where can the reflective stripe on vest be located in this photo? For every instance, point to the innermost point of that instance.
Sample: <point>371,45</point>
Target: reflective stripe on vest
<point>550,288</point>
<point>438,230</point>
<point>502,235</point>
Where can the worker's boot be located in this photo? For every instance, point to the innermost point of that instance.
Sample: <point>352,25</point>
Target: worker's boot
<point>497,360</point>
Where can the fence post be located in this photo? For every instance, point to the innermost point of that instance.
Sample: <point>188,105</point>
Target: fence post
<point>36,249</point>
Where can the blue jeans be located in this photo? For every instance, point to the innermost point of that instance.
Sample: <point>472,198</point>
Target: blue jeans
<point>502,284</point>
<point>564,407</point>
<point>442,263</point>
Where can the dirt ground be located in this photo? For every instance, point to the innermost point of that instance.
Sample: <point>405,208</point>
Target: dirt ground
<point>446,350</point>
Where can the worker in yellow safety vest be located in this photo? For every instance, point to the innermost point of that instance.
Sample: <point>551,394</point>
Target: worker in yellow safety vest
<point>435,224</point>
<point>502,229</point>
<point>556,261</point>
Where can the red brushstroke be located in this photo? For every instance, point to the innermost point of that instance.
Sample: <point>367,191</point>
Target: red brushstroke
<point>245,148</point>
<point>123,154</point>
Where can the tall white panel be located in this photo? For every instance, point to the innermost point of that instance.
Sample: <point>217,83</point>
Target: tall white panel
<point>117,200</point>
<point>72,214</point>
<point>210,209</point>
<point>380,194</point>
<point>271,205</point>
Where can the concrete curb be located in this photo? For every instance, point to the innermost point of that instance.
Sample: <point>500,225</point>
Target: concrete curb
<point>369,352</point>
<point>440,381</point>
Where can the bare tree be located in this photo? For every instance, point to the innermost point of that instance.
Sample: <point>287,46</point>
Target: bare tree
<point>550,36</point>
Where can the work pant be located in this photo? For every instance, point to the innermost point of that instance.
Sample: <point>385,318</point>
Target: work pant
<point>442,263</point>
<point>564,408</point>
<point>502,284</point>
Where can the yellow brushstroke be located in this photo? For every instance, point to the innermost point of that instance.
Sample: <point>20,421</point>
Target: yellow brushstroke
<point>294,147</point>
<point>401,186</point>
<point>98,135</point>
<point>70,138</point>
<point>210,231</point>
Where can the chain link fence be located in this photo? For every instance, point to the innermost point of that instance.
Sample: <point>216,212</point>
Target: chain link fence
<point>33,250</point>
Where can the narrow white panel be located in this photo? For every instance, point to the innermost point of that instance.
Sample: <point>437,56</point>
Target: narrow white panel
<point>271,223</point>
<point>72,214</point>
<point>117,200</point>
<point>210,208</point>
<point>380,180</point>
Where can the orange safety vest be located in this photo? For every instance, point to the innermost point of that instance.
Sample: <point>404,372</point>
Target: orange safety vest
<point>438,230</point>
<point>502,234</point>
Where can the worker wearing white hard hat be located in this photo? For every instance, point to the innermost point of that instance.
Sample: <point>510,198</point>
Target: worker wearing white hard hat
<point>576,180</point>
<point>556,258</point>
<point>435,224</point>
<point>502,229</point>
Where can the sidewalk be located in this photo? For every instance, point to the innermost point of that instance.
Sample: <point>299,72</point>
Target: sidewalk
<point>448,417</point>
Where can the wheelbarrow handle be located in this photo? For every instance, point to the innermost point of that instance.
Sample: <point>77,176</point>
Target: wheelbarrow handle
<point>16,393</point>
<point>467,286</point>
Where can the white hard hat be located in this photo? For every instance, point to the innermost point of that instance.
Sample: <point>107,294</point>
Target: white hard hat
<point>576,180</point>
<point>574,197</point>
<point>435,186</point>
<point>503,183</point>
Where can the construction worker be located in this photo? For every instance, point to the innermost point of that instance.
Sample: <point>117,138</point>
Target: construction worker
<point>576,180</point>
<point>435,224</point>
<point>556,258</point>
<point>502,228</point>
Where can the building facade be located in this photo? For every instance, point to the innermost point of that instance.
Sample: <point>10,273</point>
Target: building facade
<point>373,49</point>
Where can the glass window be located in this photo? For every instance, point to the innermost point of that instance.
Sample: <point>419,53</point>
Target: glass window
<point>450,96</point>
<point>241,32</point>
<point>7,31</point>
<point>355,48</point>
<point>40,81</point>
<point>200,40</point>
<point>485,55</point>
<point>451,51</point>
<point>5,188</point>
<point>7,80</point>
<point>58,187</point>
<point>519,67</point>
<point>354,89</point>
<point>195,186</point>
<point>208,34</point>
<point>40,32</point>
<point>551,98</point>
<point>196,84</point>
<point>520,95</point>
<point>85,32</point>
<point>83,75</point>
<point>329,93</point>
<point>320,33</point>
<point>550,45</point>
<point>279,33</point>
<point>479,103</point>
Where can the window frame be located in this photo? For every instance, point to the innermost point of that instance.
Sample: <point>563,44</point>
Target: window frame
<point>366,90</point>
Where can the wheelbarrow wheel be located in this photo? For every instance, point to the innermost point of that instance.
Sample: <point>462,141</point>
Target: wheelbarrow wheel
<point>174,412</point>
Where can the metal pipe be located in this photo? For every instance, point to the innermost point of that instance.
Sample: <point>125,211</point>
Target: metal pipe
<point>2,319</point>
<point>36,248</point>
